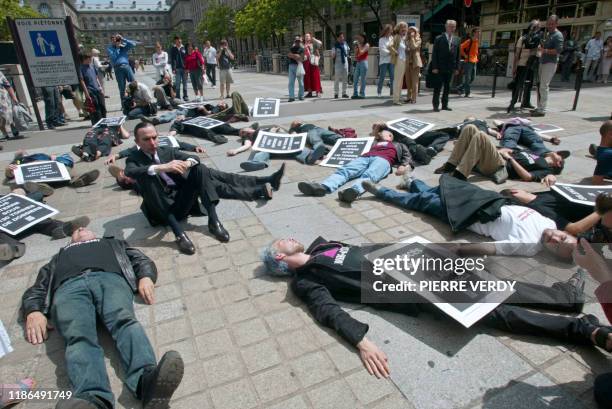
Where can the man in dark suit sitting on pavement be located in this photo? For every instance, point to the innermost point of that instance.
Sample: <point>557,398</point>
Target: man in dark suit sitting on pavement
<point>444,64</point>
<point>171,182</point>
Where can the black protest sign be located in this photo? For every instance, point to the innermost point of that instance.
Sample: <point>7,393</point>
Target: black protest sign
<point>167,141</point>
<point>203,122</point>
<point>347,149</point>
<point>191,105</point>
<point>266,107</point>
<point>410,127</point>
<point>110,122</point>
<point>279,143</point>
<point>44,171</point>
<point>581,194</point>
<point>17,213</point>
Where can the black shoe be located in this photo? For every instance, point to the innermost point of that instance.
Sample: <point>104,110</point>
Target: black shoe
<point>185,245</point>
<point>447,108</point>
<point>355,97</point>
<point>59,123</point>
<point>316,154</point>
<point>536,113</point>
<point>158,385</point>
<point>85,179</point>
<point>577,282</point>
<point>431,152</point>
<point>50,126</point>
<point>348,195</point>
<point>252,166</point>
<point>510,109</point>
<point>291,100</point>
<point>309,95</point>
<point>345,96</point>
<point>436,109</point>
<point>154,120</point>
<point>370,186</point>
<point>76,403</point>
<point>217,230</point>
<point>446,168</point>
<point>335,96</point>
<point>69,227</point>
<point>593,149</point>
<point>186,98</point>
<point>527,106</point>
<point>312,189</point>
<point>43,188</point>
<point>218,139</point>
<point>77,150</point>
<point>459,175</point>
<point>276,177</point>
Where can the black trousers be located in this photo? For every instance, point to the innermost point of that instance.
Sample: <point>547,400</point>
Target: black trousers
<point>100,104</point>
<point>444,79</point>
<point>523,83</point>
<point>160,200</point>
<point>211,73</point>
<point>514,317</point>
<point>235,186</point>
<point>434,139</point>
<point>103,144</point>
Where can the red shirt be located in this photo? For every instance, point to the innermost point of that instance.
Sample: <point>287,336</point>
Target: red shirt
<point>361,57</point>
<point>191,61</point>
<point>384,150</point>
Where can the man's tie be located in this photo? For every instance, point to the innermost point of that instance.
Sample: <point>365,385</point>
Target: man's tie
<point>164,175</point>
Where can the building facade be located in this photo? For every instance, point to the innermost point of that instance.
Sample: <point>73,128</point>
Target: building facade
<point>502,21</point>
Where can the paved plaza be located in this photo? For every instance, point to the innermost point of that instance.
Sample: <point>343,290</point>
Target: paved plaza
<point>247,341</point>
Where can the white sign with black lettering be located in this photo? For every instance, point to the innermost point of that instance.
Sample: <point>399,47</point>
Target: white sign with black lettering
<point>167,141</point>
<point>110,122</point>
<point>47,51</point>
<point>266,107</point>
<point>410,127</point>
<point>347,149</point>
<point>279,143</point>
<point>17,213</point>
<point>581,194</point>
<point>191,105</point>
<point>44,171</point>
<point>203,122</point>
<point>546,128</point>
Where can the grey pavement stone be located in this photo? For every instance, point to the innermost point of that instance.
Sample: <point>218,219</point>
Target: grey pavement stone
<point>368,388</point>
<point>236,395</point>
<point>333,395</point>
<point>214,343</point>
<point>222,369</point>
<point>261,356</point>
<point>275,383</point>
<point>249,332</point>
<point>297,402</point>
<point>313,368</point>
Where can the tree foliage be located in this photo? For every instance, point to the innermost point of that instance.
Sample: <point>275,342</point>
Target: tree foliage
<point>264,18</point>
<point>11,8</point>
<point>216,23</point>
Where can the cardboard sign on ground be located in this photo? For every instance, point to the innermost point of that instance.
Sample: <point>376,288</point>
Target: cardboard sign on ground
<point>43,171</point>
<point>279,143</point>
<point>347,149</point>
<point>17,213</point>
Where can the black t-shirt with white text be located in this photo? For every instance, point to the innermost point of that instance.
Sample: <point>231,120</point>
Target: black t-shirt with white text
<point>536,165</point>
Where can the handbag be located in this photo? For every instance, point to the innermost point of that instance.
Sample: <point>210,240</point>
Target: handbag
<point>300,72</point>
<point>314,59</point>
<point>21,117</point>
<point>89,105</point>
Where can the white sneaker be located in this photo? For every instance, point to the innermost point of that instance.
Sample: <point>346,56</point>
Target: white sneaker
<point>379,95</point>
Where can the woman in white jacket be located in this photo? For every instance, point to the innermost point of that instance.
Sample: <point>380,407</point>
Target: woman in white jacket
<point>160,62</point>
<point>384,59</point>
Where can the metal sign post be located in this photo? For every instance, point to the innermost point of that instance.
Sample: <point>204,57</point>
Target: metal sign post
<point>26,70</point>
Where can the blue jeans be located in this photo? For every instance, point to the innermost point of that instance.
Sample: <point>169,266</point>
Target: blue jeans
<point>181,78</point>
<point>469,73</point>
<point>360,73</point>
<point>136,113</point>
<point>382,72</point>
<point>52,99</point>
<point>292,78</point>
<point>421,197</point>
<point>171,115</point>
<point>320,136</point>
<point>526,136</point>
<point>123,75</point>
<point>77,303</point>
<point>264,157</point>
<point>372,168</point>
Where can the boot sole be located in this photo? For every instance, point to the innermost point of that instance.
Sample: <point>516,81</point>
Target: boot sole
<point>86,179</point>
<point>308,190</point>
<point>169,378</point>
<point>252,167</point>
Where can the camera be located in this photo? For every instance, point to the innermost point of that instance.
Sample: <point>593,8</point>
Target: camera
<point>599,237</point>
<point>533,39</point>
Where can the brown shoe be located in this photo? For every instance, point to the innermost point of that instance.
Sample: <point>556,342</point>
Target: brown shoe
<point>115,171</point>
<point>43,188</point>
<point>85,179</point>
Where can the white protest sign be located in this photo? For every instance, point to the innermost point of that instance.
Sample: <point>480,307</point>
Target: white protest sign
<point>43,171</point>
<point>279,143</point>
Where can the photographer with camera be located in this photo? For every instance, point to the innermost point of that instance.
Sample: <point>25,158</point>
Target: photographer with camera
<point>592,259</point>
<point>224,62</point>
<point>118,53</point>
<point>525,64</point>
<point>549,51</point>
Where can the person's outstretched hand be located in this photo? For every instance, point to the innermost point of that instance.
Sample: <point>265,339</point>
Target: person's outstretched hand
<point>373,358</point>
<point>592,262</point>
<point>36,328</point>
<point>146,289</point>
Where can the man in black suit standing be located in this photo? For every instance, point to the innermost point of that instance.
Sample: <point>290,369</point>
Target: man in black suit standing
<point>444,64</point>
<point>171,182</point>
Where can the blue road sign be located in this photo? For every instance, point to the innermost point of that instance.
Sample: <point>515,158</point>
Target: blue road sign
<point>45,43</point>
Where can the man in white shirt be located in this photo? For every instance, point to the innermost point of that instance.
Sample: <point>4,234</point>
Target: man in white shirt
<point>594,49</point>
<point>210,54</point>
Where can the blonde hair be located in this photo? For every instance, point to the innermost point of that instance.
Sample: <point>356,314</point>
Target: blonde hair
<point>399,26</point>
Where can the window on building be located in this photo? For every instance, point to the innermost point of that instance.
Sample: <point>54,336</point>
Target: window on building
<point>540,13</point>
<point>566,8</point>
<point>582,34</point>
<point>45,10</point>
<point>588,9</point>
<point>349,32</point>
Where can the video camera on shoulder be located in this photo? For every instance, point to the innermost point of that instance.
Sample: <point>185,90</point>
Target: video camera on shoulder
<point>533,39</point>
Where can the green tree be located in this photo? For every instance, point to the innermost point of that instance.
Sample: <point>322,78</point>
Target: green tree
<point>216,23</point>
<point>12,9</point>
<point>264,19</point>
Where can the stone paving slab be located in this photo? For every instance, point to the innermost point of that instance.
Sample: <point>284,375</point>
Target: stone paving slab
<point>248,342</point>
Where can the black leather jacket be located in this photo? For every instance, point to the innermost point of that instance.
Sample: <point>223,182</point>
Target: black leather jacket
<point>134,266</point>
